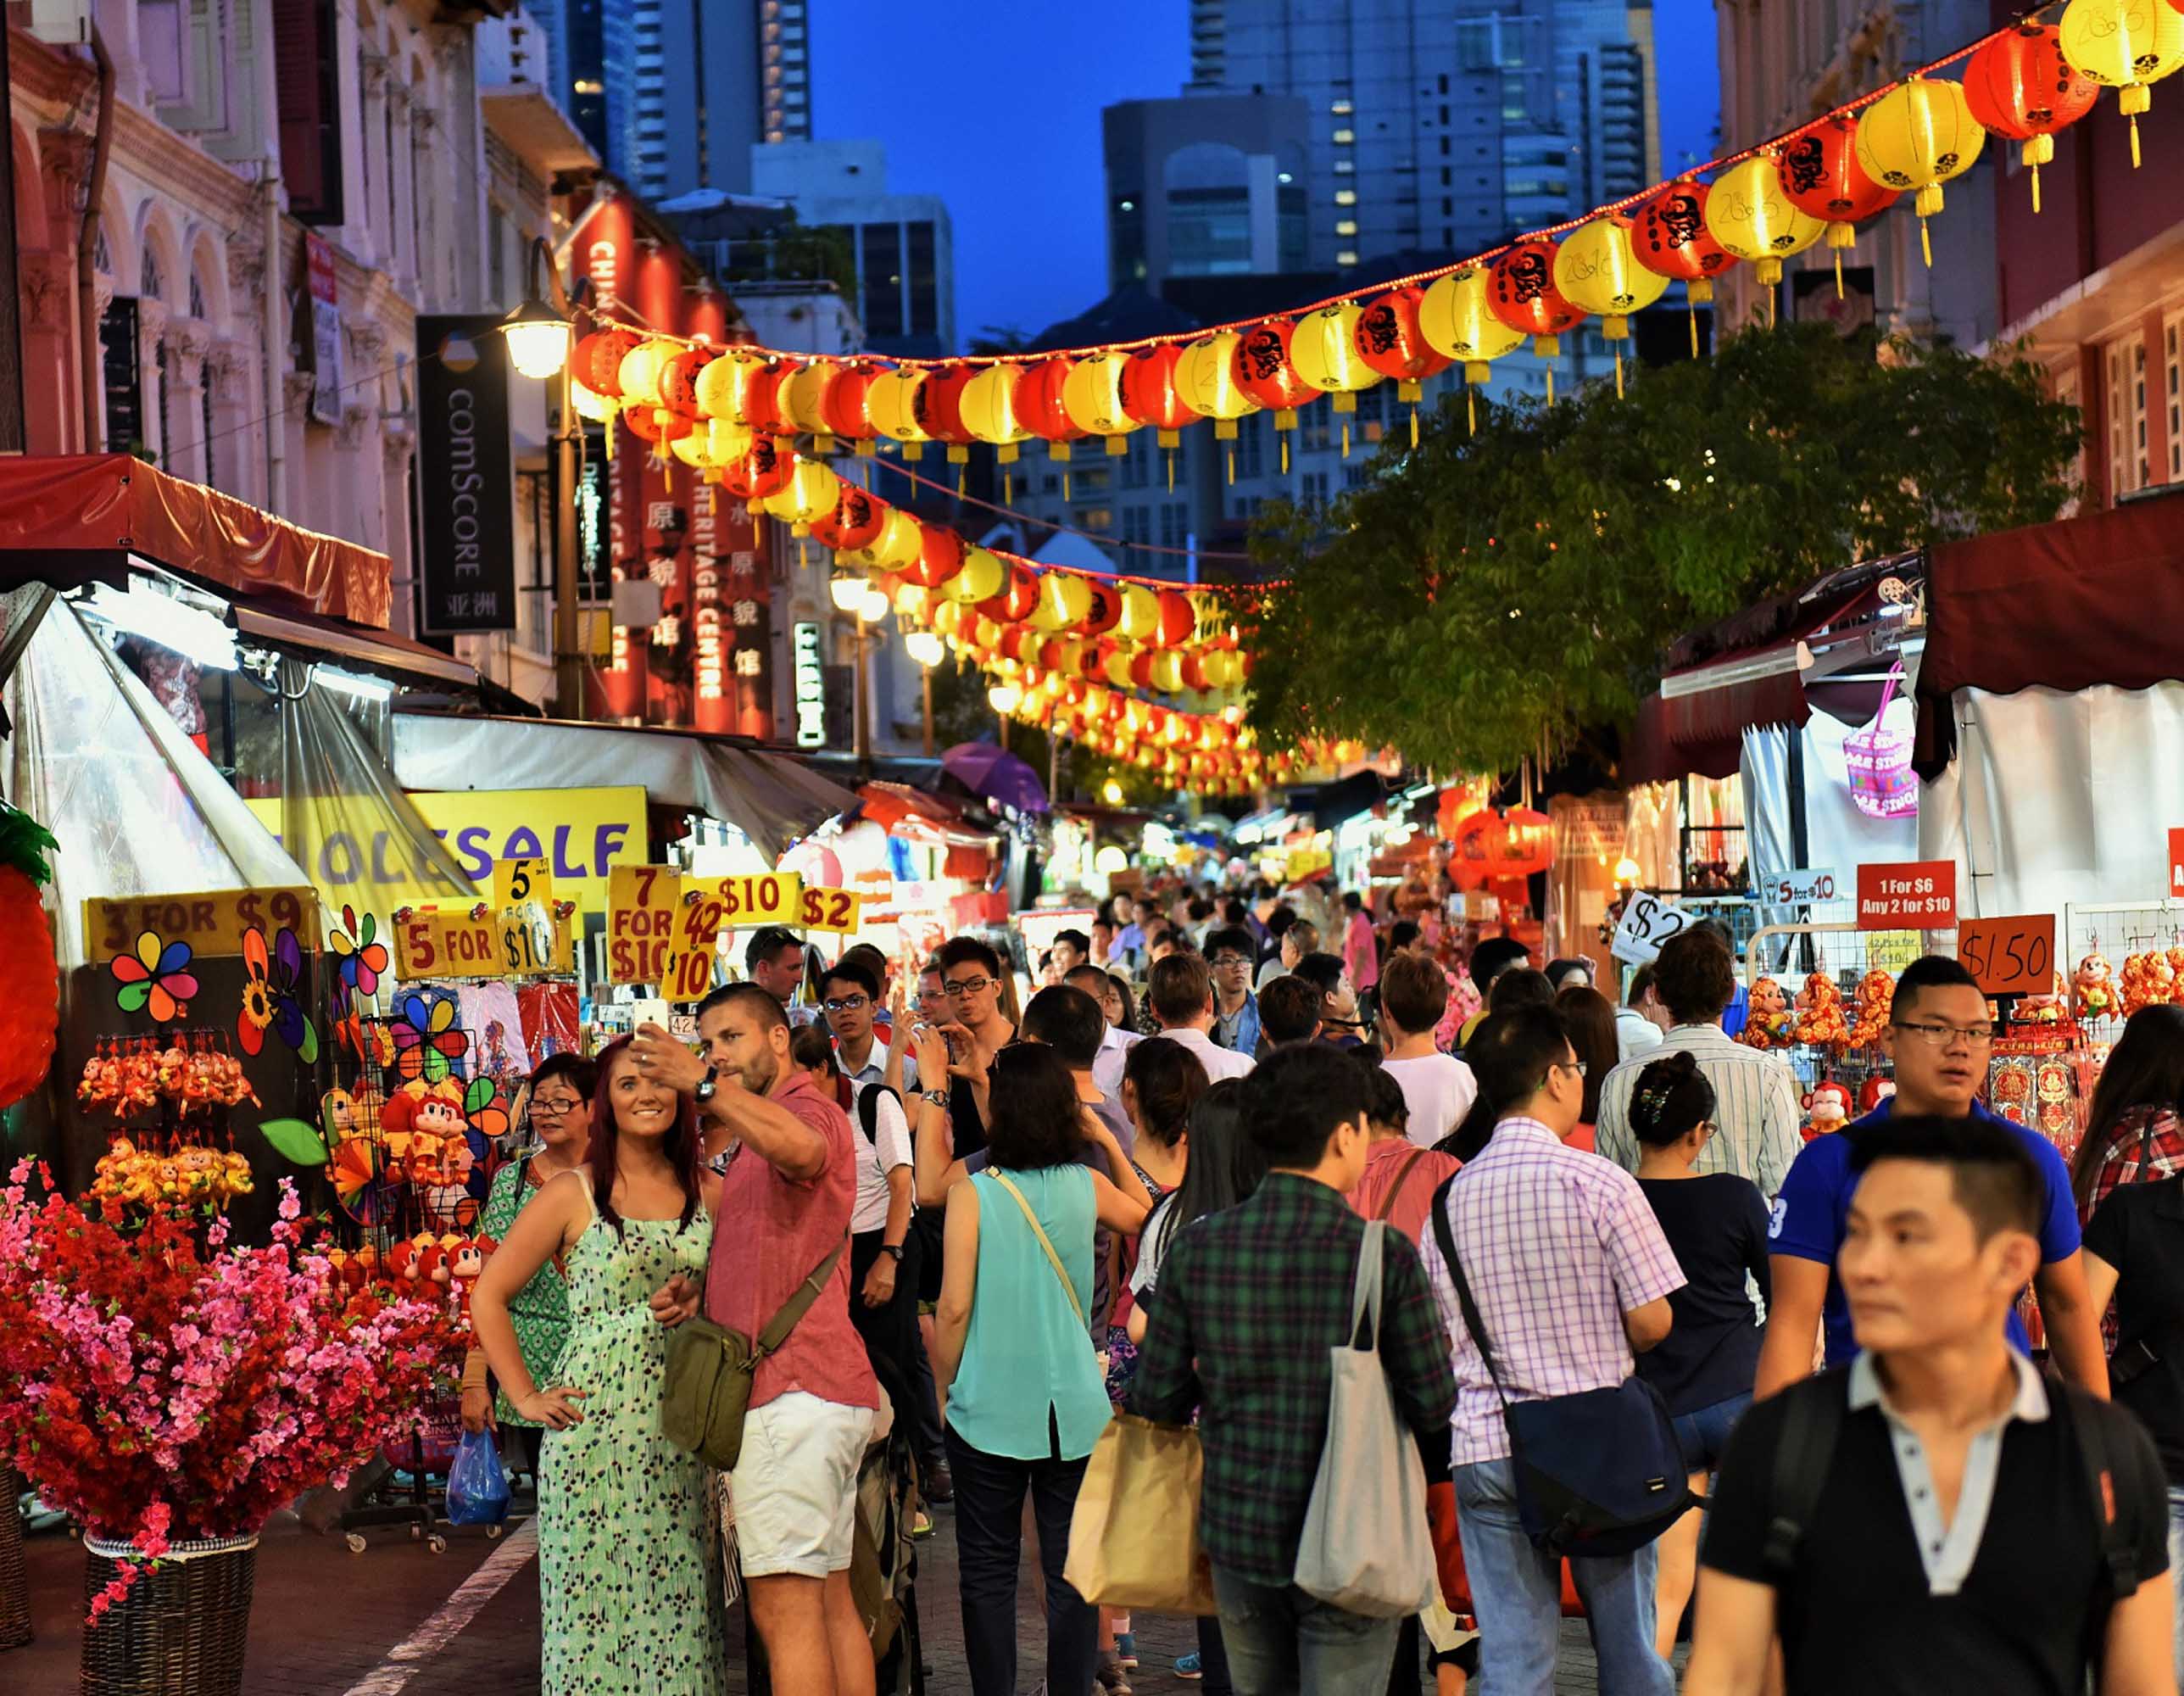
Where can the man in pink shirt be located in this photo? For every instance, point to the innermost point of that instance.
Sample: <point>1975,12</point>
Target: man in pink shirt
<point>786,1197</point>
<point>1361,949</point>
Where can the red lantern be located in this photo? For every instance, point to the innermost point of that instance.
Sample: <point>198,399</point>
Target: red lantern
<point>939,557</point>
<point>678,381</point>
<point>1149,394</point>
<point>1521,293</point>
<point>1013,638</point>
<point>1264,372</point>
<point>1821,177</point>
<point>1106,608</point>
<point>1389,341</point>
<point>764,470</point>
<point>1179,620</point>
<point>762,398</point>
<point>1014,604</point>
<point>2020,86</point>
<point>1670,238</point>
<point>1495,847</point>
<point>650,424</point>
<point>598,359</point>
<point>856,521</point>
<point>940,409</point>
<point>1194,674</point>
<point>844,405</point>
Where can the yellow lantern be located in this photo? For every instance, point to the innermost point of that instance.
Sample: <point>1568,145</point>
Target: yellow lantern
<point>723,385</point>
<point>1323,348</point>
<point>802,401</point>
<point>1458,324</point>
<point>1595,269</point>
<point>986,634</point>
<point>589,403</point>
<point>1747,213</point>
<point>1205,378</point>
<point>1092,396</point>
<point>691,448</point>
<point>726,442</point>
<point>1918,136</point>
<point>812,491</point>
<point>1095,700</point>
<point>1116,666</point>
<point>948,619</point>
<point>1167,672</point>
<point>1064,601</point>
<point>990,409</point>
<point>1141,613</point>
<point>900,544</point>
<point>912,600</point>
<point>2124,45</point>
<point>640,370</point>
<point>892,404</point>
<point>1068,657</point>
<point>982,576</point>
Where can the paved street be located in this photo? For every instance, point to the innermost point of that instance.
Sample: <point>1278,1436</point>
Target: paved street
<point>397,1617</point>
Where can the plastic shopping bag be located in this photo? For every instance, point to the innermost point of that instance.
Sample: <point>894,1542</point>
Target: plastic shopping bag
<point>477,1483</point>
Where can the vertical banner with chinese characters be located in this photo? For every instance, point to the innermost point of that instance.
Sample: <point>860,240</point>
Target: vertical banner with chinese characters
<point>750,596</point>
<point>466,476</point>
<point>324,287</point>
<point>667,560</point>
<point>620,681</point>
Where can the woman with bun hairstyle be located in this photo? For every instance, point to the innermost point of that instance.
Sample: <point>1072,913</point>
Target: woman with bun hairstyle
<point>1716,1225</point>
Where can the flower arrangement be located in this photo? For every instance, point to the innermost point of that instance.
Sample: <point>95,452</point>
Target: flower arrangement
<point>161,1384</point>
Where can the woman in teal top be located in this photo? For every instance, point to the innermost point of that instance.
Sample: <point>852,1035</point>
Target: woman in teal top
<point>1026,1400</point>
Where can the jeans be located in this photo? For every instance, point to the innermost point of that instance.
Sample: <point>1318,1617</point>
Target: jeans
<point>1280,1642</point>
<point>1704,1435</point>
<point>2176,1568</point>
<point>1517,1592</point>
<point>990,1498</point>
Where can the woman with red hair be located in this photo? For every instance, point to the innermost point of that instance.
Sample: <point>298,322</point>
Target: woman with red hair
<point>629,1580</point>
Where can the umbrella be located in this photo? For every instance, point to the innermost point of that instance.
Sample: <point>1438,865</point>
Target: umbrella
<point>996,773</point>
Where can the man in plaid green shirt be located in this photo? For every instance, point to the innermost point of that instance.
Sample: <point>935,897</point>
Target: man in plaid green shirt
<point>1248,1305</point>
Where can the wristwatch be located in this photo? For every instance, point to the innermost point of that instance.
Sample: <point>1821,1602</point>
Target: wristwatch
<point>704,1092</point>
<point>892,1251</point>
<point>937,1097</point>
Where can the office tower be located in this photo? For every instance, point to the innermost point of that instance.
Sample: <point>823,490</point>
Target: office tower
<point>691,86</point>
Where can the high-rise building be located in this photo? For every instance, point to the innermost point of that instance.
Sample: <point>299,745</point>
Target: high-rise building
<point>576,64</point>
<point>691,86</point>
<point>1444,125</point>
<point>1212,186</point>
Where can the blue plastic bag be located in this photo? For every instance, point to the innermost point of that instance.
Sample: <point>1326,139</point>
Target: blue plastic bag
<point>477,1483</point>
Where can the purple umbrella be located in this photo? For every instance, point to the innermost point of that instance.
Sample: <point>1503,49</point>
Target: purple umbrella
<point>996,773</point>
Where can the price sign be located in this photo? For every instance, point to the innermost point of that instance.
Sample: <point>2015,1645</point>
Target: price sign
<point>2176,862</point>
<point>517,881</point>
<point>1914,894</point>
<point>532,943</point>
<point>750,899</point>
<point>212,923</point>
<point>1300,863</point>
<point>826,909</point>
<point>642,902</point>
<point>1799,889</point>
<point>1890,951</point>
<point>2009,957</point>
<point>447,942</point>
<point>1648,922</point>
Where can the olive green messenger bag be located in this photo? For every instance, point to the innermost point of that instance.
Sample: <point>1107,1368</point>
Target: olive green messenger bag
<point>711,1368</point>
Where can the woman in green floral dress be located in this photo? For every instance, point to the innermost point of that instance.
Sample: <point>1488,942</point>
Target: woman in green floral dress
<point>629,1564</point>
<point>561,1117</point>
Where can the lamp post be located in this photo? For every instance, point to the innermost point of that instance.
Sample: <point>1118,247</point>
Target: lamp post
<point>540,332</point>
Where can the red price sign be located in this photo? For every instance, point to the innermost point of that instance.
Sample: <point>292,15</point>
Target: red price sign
<point>2009,957</point>
<point>2176,862</point>
<point>1914,895</point>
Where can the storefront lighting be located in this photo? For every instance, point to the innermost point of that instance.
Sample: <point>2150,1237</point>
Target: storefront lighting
<point>1626,871</point>
<point>347,682</point>
<point>925,647</point>
<point>849,593</point>
<point>875,605</point>
<point>1004,697</point>
<point>1111,793</point>
<point>1111,859</point>
<point>538,338</point>
<point>190,631</point>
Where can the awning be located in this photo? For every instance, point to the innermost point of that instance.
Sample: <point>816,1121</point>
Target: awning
<point>369,650</point>
<point>769,797</point>
<point>2066,605</point>
<point>72,515</point>
<point>888,805</point>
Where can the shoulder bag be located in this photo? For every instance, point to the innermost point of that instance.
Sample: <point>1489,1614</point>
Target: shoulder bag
<point>1599,1472</point>
<point>711,1369</point>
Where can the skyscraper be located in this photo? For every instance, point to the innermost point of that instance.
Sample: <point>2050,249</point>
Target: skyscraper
<point>576,57</point>
<point>1444,125</point>
<point>691,84</point>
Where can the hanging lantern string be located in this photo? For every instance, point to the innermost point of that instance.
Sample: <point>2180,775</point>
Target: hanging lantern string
<point>1848,108</point>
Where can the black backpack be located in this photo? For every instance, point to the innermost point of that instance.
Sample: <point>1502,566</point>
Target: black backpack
<point>868,1110</point>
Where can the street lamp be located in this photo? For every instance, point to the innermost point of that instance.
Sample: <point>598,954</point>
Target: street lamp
<point>875,605</point>
<point>539,333</point>
<point>538,338</point>
<point>926,647</point>
<point>849,593</point>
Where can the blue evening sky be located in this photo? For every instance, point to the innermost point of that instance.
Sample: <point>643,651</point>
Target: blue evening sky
<point>995,106</point>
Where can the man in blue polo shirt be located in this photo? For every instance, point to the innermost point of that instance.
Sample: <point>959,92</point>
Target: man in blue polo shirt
<point>1938,1036</point>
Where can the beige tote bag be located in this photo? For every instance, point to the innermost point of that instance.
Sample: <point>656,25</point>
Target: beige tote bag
<point>1134,1539</point>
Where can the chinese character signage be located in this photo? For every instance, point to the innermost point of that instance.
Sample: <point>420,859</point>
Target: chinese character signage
<point>466,475</point>
<point>810,674</point>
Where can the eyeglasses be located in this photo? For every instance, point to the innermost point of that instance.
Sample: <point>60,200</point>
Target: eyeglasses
<point>1221,960</point>
<point>554,1108</point>
<point>1576,1066</point>
<point>1945,1036</point>
<point>846,1003</point>
<point>968,986</point>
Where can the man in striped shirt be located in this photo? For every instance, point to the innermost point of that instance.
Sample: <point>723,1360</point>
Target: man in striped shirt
<point>1756,1130</point>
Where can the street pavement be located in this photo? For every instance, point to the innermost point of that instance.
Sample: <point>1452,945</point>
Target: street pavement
<point>399,1618</point>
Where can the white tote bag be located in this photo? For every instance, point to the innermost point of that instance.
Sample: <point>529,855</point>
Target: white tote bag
<point>1366,1547</point>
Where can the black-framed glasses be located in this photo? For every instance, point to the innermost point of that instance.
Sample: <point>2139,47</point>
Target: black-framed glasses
<point>1221,960</point>
<point>846,1003</point>
<point>1945,1036</point>
<point>968,986</point>
<point>554,1107</point>
<point>1576,1066</point>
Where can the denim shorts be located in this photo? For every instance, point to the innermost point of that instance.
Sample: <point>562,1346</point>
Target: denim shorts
<point>1705,1434</point>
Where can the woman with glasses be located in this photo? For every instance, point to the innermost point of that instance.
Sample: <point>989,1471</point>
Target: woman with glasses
<point>561,1119</point>
<point>1717,1226</point>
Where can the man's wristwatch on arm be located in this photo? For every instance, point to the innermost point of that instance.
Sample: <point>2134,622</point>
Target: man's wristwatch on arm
<point>937,1097</point>
<point>707,1087</point>
<point>892,1251</point>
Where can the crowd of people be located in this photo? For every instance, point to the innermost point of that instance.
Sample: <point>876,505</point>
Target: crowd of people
<point>1666,1363</point>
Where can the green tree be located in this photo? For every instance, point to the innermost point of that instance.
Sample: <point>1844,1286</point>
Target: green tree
<point>1482,594</point>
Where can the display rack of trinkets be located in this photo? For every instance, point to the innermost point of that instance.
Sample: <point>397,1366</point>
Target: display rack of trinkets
<point>169,1094</point>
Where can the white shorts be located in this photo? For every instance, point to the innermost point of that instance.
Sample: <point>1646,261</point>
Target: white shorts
<point>795,1486</point>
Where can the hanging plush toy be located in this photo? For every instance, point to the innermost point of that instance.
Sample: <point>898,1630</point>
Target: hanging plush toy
<point>1768,1024</point>
<point>29,1011</point>
<point>419,1121</point>
<point>2095,983</point>
<point>1876,993</point>
<point>1820,1020</point>
<point>1827,1109</point>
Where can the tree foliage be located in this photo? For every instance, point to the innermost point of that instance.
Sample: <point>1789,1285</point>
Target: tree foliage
<point>1481,593</point>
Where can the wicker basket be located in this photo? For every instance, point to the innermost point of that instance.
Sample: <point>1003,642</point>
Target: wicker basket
<point>14,1576</point>
<point>182,1627</point>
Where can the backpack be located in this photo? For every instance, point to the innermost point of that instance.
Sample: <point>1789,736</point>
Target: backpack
<point>1812,1422</point>
<point>868,1111</point>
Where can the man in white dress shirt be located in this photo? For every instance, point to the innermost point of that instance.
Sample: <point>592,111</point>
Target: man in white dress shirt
<point>1180,992</point>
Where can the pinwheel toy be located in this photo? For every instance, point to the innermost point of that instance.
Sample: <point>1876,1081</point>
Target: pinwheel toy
<point>425,1040</point>
<point>362,958</point>
<point>156,976</point>
<point>270,996</point>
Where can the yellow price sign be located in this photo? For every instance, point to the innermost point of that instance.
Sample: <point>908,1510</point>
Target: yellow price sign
<point>1890,951</point>
<point>826,909</point>
<point>532,943</point>
<point>212,923</point>
<point>517,881</point>
<point>749,899</point>
<point>447,942</point>
<point>642,903</point>
<point>1305,863</point>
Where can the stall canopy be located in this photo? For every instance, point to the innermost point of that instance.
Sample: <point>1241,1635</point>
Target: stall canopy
<point>71,516</point>
<point>770,798</point>
<point>137,810</point>
<point>2069,606</point>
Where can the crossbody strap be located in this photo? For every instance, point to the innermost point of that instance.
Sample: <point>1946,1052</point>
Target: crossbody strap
<point>1812,1421</point>
<point>2119,1557</point>
<point>1068,1287</point>
<point>1395,1189</point>
<point>784,1320</point>
<point>1472,1322</point>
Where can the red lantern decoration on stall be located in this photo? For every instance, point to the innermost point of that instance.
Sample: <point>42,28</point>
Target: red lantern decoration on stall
<point>596,360</point>
<point>1390,341</point>
<point>1500,846</point>
<point>678,381</point>
<point>1179,620</point>
<point>858,517</point>
<point>939,409</point>
<point>1150,396</point>
<point>845,407</point>
<point>940,556</point>
<point>1264,371</point>
<point>1040,409</point>
<point>2020,84</point>
<point>1106,608</point>
<point>1014,604</point>
<point>765,471</point>
<point>1520,292</point>
<point>1821,177</point>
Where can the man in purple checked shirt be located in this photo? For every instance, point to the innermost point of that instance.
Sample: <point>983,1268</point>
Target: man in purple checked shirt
<point>1572,1278</point>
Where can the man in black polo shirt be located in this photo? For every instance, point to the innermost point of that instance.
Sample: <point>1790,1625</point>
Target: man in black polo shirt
<point>1960,1541</point>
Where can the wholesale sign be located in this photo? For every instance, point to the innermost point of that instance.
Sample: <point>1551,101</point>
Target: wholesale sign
<point>466,475</point>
